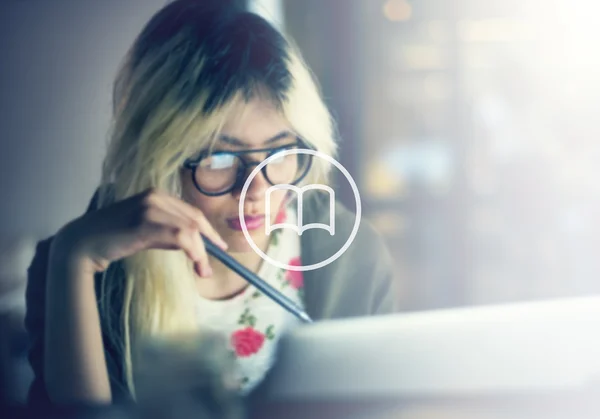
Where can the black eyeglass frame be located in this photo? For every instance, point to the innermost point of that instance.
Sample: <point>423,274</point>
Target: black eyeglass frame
<point>192,165</point>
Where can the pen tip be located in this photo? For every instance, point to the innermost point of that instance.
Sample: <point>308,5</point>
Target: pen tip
<point>305,317</point>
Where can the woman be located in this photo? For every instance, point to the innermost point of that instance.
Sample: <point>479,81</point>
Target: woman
<point>206,93</point>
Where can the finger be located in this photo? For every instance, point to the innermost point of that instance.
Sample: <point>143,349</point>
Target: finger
<point>178,206</point>
<point>204,270</point>
<point>165,230</point>
<point>207,230</point>
<point>186,237</point>
<point>204,226</point>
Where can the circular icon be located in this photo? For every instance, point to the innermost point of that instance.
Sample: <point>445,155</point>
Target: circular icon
<point>332,258</point>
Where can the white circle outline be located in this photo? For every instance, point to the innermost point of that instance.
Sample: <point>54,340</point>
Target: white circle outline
<point>332,258</point>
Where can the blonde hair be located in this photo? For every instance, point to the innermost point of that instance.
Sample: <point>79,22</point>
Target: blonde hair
<point>184,76</point>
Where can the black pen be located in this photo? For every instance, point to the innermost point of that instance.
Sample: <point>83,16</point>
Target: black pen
<point>255,280</point>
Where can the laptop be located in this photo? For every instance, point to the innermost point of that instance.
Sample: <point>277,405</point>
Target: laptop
<point>528,360</point>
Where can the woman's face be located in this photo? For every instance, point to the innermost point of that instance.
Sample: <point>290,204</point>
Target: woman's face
<point>259,126</point>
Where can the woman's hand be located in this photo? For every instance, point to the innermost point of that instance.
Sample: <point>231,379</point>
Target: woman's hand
<point>150,220</point>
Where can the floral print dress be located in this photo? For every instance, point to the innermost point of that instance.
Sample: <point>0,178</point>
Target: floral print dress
<point>251,321</point>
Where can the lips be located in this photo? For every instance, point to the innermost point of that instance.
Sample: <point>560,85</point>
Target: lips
<point>252,222</point>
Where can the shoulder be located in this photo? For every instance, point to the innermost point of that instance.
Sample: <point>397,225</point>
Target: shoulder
<point>35,319</point>
<point>358,279</point>
<point>35,299</point>
<point>36,273</point>
<point>351,230</point>
<point>36,283</point>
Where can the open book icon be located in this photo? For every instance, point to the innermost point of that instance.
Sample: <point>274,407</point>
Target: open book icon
<point>299,228</point>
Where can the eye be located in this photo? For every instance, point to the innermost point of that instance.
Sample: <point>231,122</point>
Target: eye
<point>283,158</point>
<point>218,161</point>
<point>277,160</point>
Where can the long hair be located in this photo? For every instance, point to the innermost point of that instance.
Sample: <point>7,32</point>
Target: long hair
<point>191,67</point>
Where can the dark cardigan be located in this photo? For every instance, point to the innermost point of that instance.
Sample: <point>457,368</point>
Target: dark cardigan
<point>358,283</point>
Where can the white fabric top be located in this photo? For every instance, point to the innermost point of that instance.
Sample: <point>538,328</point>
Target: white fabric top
<point>253,323</point>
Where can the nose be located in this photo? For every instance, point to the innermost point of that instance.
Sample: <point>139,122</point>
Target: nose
<point>257,188</point>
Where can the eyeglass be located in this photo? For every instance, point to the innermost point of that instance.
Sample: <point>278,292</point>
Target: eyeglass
<point>220,172</point>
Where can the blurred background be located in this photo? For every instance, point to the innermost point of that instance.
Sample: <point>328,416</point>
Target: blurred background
<point>469,126</point>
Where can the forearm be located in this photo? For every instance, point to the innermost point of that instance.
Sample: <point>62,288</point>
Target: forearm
<point>74,365</point>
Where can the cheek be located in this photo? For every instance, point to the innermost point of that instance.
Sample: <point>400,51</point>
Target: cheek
<point>188,189</point>
<point>212,207</point>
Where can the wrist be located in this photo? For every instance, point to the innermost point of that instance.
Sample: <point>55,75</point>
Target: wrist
<point>68,250</point>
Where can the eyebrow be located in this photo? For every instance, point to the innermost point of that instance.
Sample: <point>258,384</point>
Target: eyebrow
<point>237,142</point>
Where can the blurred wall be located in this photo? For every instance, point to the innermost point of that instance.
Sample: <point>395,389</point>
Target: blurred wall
<point>470,129</point>
<point>58,61</point>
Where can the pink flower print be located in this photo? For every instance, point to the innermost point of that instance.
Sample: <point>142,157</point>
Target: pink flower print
<point>281,215</point>
<point>295,278</point>
<point>247,341</point>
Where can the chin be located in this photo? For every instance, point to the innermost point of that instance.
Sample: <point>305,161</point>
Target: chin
<point>240,247</point>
